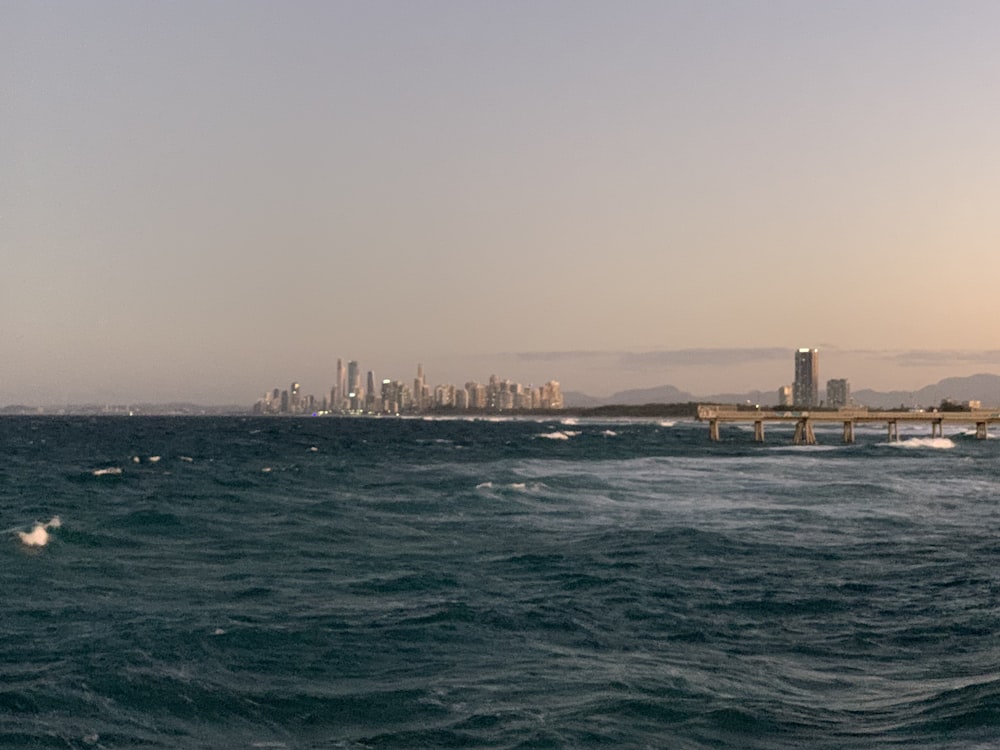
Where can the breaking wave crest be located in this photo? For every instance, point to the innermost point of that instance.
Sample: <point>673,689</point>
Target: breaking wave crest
<point>559,434</point>
<point>924,442</point>
<point>39,534</point>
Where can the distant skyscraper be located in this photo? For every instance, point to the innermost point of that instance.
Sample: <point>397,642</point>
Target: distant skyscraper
<point>785,397</point>
<point>805,390</point>
<point>551,396</point>
<point>477,395</point>
<point>353,377</point>
<point>354,391</point>
<point>371,395</point>
<point>418,389</point>
<point>391,398</point>
<point>838,393</point>
<point>340,389</point>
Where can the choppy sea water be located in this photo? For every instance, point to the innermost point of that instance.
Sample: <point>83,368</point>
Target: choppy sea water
<point>384,583</point>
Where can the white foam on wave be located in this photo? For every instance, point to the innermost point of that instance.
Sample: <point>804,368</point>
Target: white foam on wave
<point>112,471</point>
<point>667,423</point>
<point>924,442</point>
<point>515,486</point>
<point>972,433</point>
<point>39,534</point>
<point>609,433</point>
<point>817,448</point>
<point>153,459</point>
<point>569,421</point>
<point>187,459</point>
<point>559,434</point>
<point>37,537</point>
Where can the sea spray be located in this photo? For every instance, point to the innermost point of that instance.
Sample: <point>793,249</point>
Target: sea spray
<point>935,443</point>
<point>39,534</point>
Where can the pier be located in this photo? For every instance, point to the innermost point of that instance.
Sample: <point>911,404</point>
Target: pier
<point>805,420</point>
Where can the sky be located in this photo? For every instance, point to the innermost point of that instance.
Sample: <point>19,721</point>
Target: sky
<point>202,201</point>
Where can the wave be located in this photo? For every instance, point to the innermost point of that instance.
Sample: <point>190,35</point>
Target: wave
<point>972,433</point>
<point>516,486</point>
<point>923,442</point>
<point>39,534</point>
<point>809,448</point>
<point>112,471</point>
<point>559,434</point>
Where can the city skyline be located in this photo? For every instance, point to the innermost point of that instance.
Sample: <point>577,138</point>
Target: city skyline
<point>347,395</point>
<point>196,199</point>
<point>700,372</point>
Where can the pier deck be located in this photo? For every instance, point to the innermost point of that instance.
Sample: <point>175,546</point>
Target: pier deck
<point>804,421</point>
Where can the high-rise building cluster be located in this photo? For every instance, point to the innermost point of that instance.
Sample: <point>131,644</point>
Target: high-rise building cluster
<point>350,396</point>
<point>804,391</point>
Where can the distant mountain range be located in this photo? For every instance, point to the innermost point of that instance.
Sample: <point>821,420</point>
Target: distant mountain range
<point>984,387</point>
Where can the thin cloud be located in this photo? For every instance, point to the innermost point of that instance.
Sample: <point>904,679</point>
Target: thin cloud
<point>703,357</point>
<point>940,357</point>
<point>562,356</point>
<point>667,357</point>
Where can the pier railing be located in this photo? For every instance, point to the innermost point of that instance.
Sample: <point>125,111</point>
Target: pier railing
<point>848,417</point>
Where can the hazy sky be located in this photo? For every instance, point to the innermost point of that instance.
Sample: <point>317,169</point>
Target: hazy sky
<point>205,200</point>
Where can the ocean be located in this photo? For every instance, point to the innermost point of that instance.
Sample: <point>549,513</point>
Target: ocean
<point>410,583</point>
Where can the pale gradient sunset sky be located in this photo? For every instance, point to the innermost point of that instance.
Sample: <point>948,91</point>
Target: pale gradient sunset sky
<point>205,200</point>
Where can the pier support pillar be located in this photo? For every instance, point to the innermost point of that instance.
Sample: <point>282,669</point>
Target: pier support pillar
<point>981,433</point>
<point>758,431</point>
<point>804,432</point>
<point>713,430</point>
<point>848,432</point>
<point>893,429</point>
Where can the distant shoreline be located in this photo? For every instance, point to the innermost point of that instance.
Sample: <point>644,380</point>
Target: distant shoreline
<point>689,409</point>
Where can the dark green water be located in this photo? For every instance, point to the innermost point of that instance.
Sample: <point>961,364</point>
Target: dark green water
<point>352,583</point>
